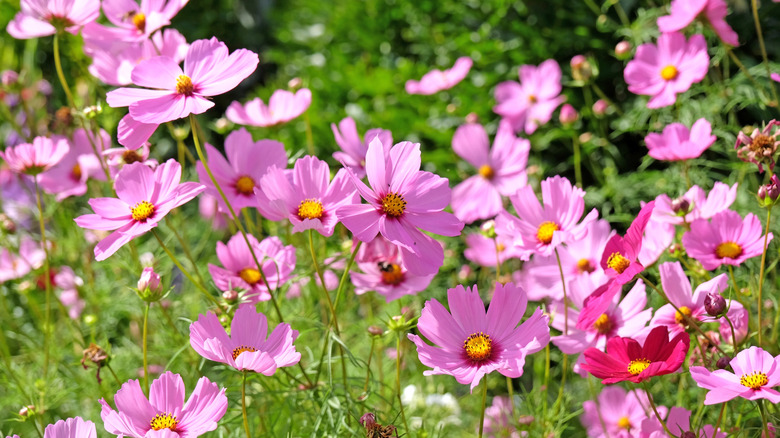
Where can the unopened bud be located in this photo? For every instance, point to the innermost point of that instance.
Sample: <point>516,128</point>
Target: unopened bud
<point>600,107</point>
<point>150,288</point>
<point>7,224</point>
<point>525,420</point>
<point>688,434</point>
<point>723,362</point>
<point>622,49</point>
<point>472,118</point>
<point>230,295</point>
<point>8,77</point>
<point>375,330</point>
<point>27,411</point>
<point>368,420</point>
<point>488,229</point>
<point>681,206</point>
<point>581,69</point>
<point>294,83</point>
<point>568,114</point>
<point>714,304</point>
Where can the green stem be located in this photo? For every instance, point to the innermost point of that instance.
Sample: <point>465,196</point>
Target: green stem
<point>146,362</point>
<point>565,298</point>
<point>186,250</point>
<point>761,44</point>
<point>742,67</point>
<point>60,74</point>
<point>322,281</point>
<point>761,273</point>
<point>577,160</point>
<point>343,280</point>
<point>184,271</point>
<point>368,363</point>
<point>118,382</point>
<point>511,394</point>
<point>655,410</point>
<point>243,405</point>
<point>47,306</point>
<point>484,402</point>
<point>720,417</point>
<point>604,97</point>
<point>398,382</point>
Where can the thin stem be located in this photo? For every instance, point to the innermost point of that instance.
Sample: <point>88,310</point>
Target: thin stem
<point>685,166</point>
<point>763,264</point>
<point>322,281</point>
<point>368,363</point>
<point>511,392</point>
<point>186,250</point>
<point>170,322</point>
<point>604,97</point>
<point>60,74</point>
<point>484,402</point>
<point>250,224</point>
<point>398,381</point>
<point>655,410</point>
<point>343,280</point>
<point>546,379</point>
<point>742,67</point>
<point>575,142</point>
<point>595,399</point>
<point>47,306</point>
<point>118,382</point>
<point>184,271</point>
<point>243,405</point>
<point>720,417</point>
<point>565,298</point>
<point>146,362</point>
<point>761,44</point>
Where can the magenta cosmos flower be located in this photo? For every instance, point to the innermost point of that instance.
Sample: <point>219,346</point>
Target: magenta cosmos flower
<point>725,240</point>
<point>248,347</point>
<point>238,176</point>
<point>678,143</point>
<point>668,68</point>
<point>45,17</point>
<point>627,360</point>
<point>69,176</point>
<point>500,170</point>
<point>137,22</point>
<point>473,343</point>
<point>755,373</point>
<point>240,270</point>
<point>544,226</point>
<point>619,259</point>
<point>485,251</point>
<point>71,428</point>
<point>438,80</point>
<point>385,273</point>
<point>678,422</point>
<point>353,149</point>
<point>136,416</point>
<point>308,199</point>
<point>36,157</point>
<point>282,107</point>
<point>617,413</point>
<point>402,199</point>
<point>145,197</point>
<point>684,12</point>
<point>530,103</point>
<point>694,204</point>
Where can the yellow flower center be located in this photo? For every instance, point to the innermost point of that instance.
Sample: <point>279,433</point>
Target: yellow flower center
<point>679,316</point>
<point>583,266</point>
<point>617,262</point>
<point>142,211</point>
<point>76,172</point>
<point>669,72</point>
<point>310,209</point>
<point>545,231</point>
<point>485,171</point>
<point>164,421</point>
<point>624,423</point>
<point>728,249</point>
<point>391,273</point>
<point>754,380</point>
<point>130,157</point>
<point>500,247</point>
<point>636,366</point>
<point>184,85</point>
<point>237,351</point>
<point>532,98</point>
<point>603,325</point>
<point>393,204</point>
<point>250,275</point>
<point>139,21</point>
<point>478,346</point>
<point>245,185</point>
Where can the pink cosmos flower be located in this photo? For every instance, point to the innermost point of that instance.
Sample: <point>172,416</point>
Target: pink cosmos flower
<point>402,199</point>
<point>138,417</point>
<point>247,347</point>
<point>474,343</point>
<point>353,149</point>
<point>678,422</point>
<point>117,158</point>
<point>238,176</point>
<point>308,199</point>
<point>500,171</point>
<point>145,197</point>
<point>45,17</point>
<point>619,259</point>
<point>36,157</point>
<point>668,68</point>
<point>240,270</point>
<point>485,251</point>
<point>626,359</point>
<point>438,80</point>
<point>530,103</point>
<point>755,372</point>
<point>18,195</point>
<point>678,143</point>
<point>726,239</point>
<point>282,107</point>
<point>500,421</point>
<point>69,176</point>
<point>694,204</point>
<point>685,11</point>
<point>385,273</point>
<point>208,208</point>
<point>621,411</point>
<point>68,282</point>
<point>657,238</point>
<point>12,266</point>
<point>543,227</point>
<point>75,427</point>
<point>136,22</point>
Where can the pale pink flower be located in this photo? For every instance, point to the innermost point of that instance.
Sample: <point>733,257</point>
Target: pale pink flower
<point>668,68</point>
<point>209,209</point>
<point>500,421</point>
<point>530,103</point>
<point>240,270</point>
<point>402,200</point>
<point>726,239</point>
<point>385,273</point>
<point>282,107</point>
<point>353,149</point>
<point>542,227</point>
<point>133,134</point>
<point>694,204</point>
<point>308,199</point>
<point>238,176</point>
<point>474,343</point>
<point>684,12</point>
<point>137,22</point>
<point>164,414</point>
<point>46,17</point>
<point>18,195</point>
<point>500,170</point>
<point>485,251</point>
<point>248,347</point>
<point>678,421</point>
<point>621,411</point>
<point>657,238</point>
<point>678,143</point>
<point>12,266</point>
<point>36,157</point>
<point>69,282</point>
<point>75,427</point>
<point>755,373</point>
<point>438,80</point>
<point>69,176</point>
<point>117,158</point>
<point>145,196</point>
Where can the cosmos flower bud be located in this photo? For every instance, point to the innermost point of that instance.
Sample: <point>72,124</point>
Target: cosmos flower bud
<point>568,114</point>
<point>768,193</point>
<point>714,304</point>
<point>230,295</point>
<point>622,49</point>
<point>688,434</point>
<point>681,206</point>
<point>723,362</point>
<point>27,411</point>
<point>375,330</point>
<point>488,229</point>
<point>149,286</point>
<point>581,69</point>
<point>368,420</point>
<point>600,107</point>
